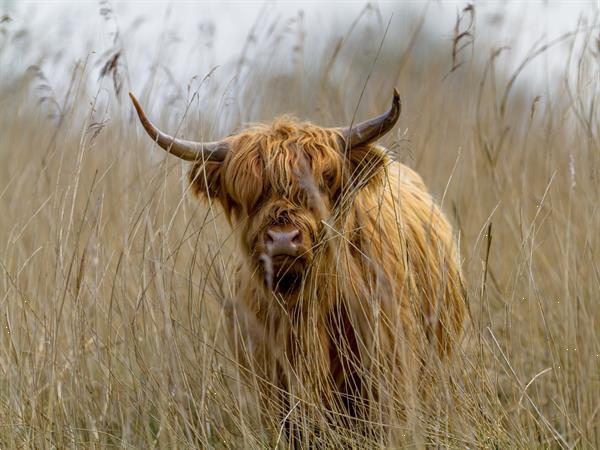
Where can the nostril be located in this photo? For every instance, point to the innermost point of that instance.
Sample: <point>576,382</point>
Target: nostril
<point>270,237</point>
<point>296,237</point>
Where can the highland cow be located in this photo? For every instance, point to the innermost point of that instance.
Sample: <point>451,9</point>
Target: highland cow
<point>348,272</point>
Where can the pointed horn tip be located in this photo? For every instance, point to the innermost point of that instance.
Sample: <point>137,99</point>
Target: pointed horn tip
<point>140,112</point>
<point>135,102</point>
<point>396,103</point>
<point>396,99</point>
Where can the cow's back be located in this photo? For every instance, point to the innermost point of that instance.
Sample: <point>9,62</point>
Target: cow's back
<point>412,249</point>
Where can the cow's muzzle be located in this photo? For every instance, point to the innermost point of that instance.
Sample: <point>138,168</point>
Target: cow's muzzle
<point>283,261</point>
<point>283,241</point>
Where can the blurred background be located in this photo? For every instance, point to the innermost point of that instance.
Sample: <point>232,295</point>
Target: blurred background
<point>191,38</point>
<point>113,277</point>
<point>170,48</point>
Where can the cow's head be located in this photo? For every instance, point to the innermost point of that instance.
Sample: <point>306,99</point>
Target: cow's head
<point>278,182</point>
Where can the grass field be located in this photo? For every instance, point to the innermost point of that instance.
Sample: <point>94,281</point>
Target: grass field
<point>111,272</point>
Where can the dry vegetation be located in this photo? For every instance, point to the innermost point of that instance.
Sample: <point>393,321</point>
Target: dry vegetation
<point>111,274</point>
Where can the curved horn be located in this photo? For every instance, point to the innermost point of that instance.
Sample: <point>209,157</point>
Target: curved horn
<point>370,130</point>
<point>187,150</point>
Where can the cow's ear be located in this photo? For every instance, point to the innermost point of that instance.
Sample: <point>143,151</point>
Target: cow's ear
<point>205,178</point>
<point>366,163</point>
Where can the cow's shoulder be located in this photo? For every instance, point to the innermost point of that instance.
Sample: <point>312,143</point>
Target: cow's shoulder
<point>408,176</point>
<point>398,171</point>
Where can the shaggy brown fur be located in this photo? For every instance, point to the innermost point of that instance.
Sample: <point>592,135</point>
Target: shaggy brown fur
<point>380,282</point>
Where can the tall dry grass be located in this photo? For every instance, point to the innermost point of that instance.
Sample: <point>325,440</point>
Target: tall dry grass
<point>111,273</point>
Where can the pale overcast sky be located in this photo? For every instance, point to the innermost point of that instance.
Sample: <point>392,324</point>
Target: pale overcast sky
<point>71,28</point>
